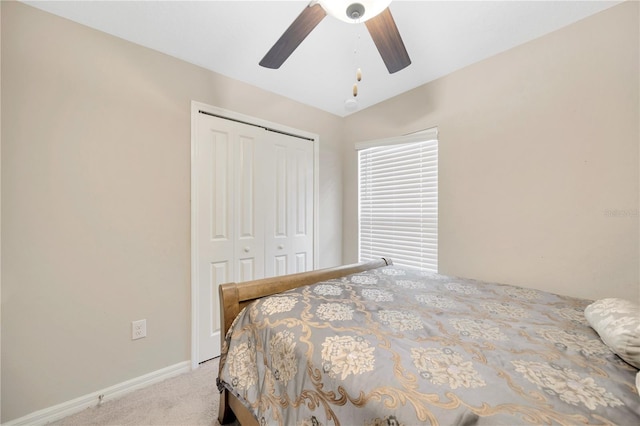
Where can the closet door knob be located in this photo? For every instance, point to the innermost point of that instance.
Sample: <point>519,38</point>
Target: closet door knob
<point>247,249</point>
<point>280,247</point>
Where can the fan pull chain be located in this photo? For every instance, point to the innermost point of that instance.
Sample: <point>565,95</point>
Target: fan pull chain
<point>358,70</point>
<point>358,78</point>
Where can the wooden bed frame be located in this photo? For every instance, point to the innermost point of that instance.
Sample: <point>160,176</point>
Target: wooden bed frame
<point>235,296</point>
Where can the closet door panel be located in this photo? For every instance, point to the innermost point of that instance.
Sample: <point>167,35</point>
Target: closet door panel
<point>213,214</point>
<point>249,203</point>
<point>216,187</point>
<point>289,215</point>
<point>302,204</point>
<point>280,195</point>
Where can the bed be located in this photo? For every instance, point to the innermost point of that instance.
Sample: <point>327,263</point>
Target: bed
<point>377,344</point>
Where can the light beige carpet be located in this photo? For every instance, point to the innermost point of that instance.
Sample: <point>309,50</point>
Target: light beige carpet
<point>189,399</point>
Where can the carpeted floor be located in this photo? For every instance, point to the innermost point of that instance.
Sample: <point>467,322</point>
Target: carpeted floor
<point>190,399</point>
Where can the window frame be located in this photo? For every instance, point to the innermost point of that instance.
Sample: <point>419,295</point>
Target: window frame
<point>428,135</point>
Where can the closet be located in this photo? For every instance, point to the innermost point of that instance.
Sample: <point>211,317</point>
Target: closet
<point>252,211</point>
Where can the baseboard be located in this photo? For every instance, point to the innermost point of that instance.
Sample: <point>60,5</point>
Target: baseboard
<point>68,408</point>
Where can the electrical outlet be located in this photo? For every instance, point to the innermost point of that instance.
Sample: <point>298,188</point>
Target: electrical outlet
<point>138,329</point>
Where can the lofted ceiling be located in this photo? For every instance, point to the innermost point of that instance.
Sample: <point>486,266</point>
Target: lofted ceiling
<point>231,37</point>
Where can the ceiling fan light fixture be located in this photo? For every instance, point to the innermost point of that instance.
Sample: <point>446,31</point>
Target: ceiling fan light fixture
<point>353,11</point>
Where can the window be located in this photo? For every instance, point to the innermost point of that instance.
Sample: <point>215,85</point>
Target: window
<point>398,200</point>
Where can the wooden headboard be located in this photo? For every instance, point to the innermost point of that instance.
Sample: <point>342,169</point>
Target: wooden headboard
<point>235,296</point>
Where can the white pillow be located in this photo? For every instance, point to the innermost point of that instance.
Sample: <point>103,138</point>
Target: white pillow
<point>617,321</point>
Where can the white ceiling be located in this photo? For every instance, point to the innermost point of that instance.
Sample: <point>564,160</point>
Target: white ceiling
<point>230,38</point>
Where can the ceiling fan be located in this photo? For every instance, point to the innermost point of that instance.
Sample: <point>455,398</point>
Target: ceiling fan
<point>374,13</point>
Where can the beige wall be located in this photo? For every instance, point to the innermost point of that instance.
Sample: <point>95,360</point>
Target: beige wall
<point>95,203</point>
<point>537,146</point>
<point>0,215</point>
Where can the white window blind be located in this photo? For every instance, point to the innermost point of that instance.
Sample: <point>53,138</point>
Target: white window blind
<point>398,202</point>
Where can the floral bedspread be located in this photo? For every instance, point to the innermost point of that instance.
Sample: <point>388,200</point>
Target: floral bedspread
<point>402,347</point>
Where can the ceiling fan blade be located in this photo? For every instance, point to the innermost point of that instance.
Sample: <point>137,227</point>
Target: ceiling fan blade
<point>385,35</point>
<point>293,36</point>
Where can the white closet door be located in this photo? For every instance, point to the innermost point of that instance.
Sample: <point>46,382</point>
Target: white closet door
<point>230,235</point>
<point>289,213</point>
<point>249,203</point>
